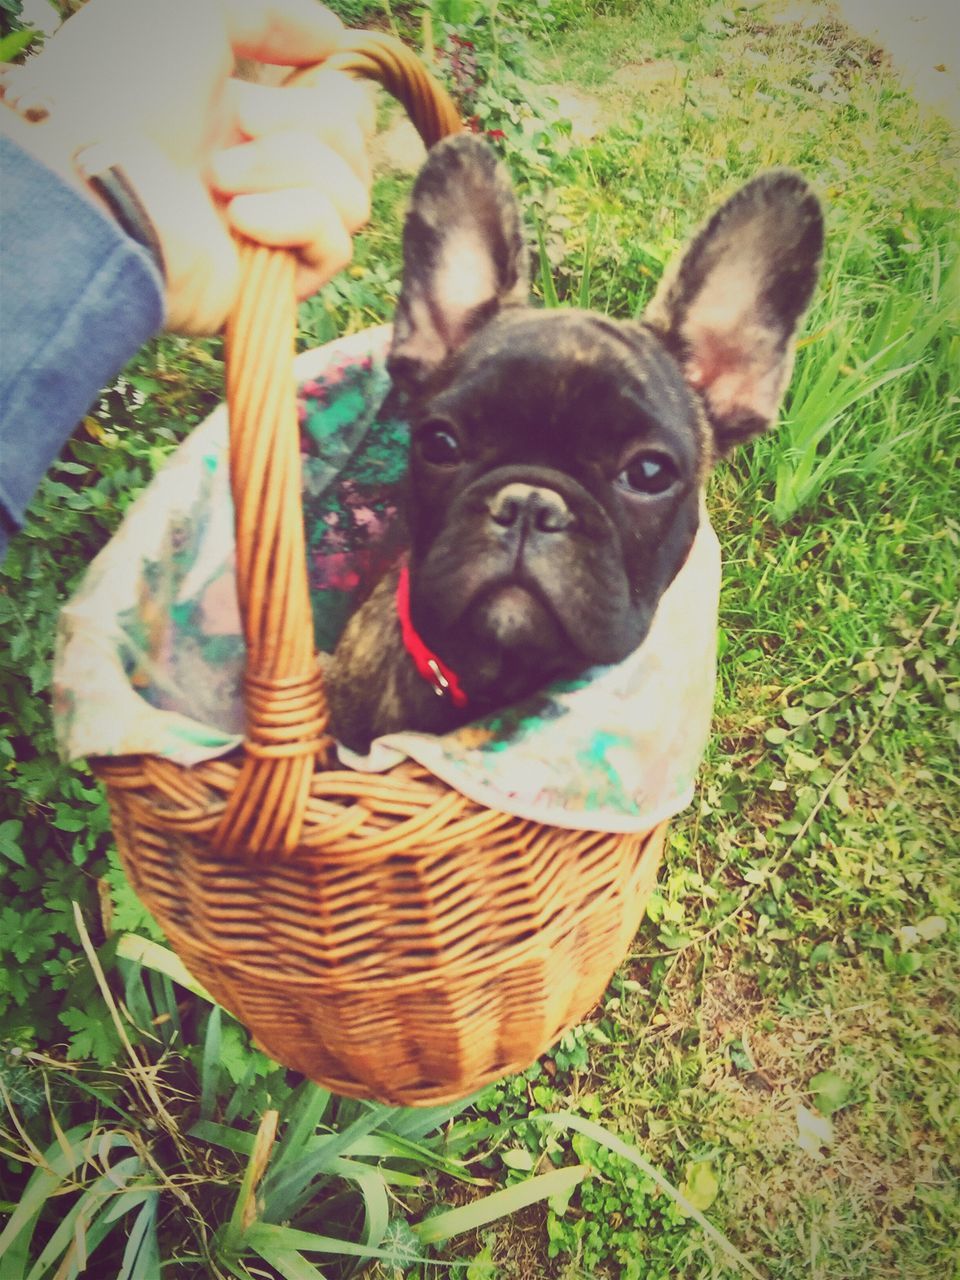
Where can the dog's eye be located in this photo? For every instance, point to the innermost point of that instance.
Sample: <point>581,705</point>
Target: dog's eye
<point>438,445</point>
<point>648,472</point>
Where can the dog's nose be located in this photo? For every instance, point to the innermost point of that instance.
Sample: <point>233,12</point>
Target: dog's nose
<point>543,509</point>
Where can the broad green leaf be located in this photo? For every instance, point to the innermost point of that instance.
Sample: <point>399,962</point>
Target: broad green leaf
<point>93,1035</point>
<point>482,1267</point>
<point>840,798</point>
<point>822,953</point>
<point>700,1184</point>
<point>830,1092</point>
<point>799,760</point>
<point>66,818</point>
<point>10,847</point>
<point>518,1158</point>
<point>402,1247</point>
<point>795,715</point>
<point>826,724</point>
<point>13,44</point>
<point>819,700</point>
<point>790,827</point>
<point>236,1058</point>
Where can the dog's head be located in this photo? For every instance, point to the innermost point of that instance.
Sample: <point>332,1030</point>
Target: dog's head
<point>557,457</point>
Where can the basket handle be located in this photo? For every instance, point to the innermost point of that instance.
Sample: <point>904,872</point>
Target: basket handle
<point>285,704</point>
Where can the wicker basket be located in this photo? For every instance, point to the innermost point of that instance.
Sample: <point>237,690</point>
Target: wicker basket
<point>382,934</point>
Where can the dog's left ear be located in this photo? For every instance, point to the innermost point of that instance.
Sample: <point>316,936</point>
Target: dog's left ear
<point>464,256</point>
<point>729,309</point>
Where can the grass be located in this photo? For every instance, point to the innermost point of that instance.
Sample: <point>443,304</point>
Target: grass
<point>788,1019</point>
<point>782,1046</point>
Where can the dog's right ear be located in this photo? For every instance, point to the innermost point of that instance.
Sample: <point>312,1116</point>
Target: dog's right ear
<point>729,309</point>
<point>464,257</point>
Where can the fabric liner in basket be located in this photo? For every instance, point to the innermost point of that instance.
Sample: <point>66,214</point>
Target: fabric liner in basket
<point>150,653</point>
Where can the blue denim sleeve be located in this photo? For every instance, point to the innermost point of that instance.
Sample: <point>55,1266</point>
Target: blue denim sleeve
<point>78,298</point>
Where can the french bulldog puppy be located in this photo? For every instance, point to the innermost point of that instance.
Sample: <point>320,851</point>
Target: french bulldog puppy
<point>556,457</point>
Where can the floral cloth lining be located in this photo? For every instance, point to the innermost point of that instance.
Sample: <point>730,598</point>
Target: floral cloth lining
<point>150,652</point>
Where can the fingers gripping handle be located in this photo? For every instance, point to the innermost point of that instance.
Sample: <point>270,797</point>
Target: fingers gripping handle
<point>286,710</point>
<point>370,55</point>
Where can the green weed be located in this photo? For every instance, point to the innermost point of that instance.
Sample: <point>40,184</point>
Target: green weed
<point>203,1155</point>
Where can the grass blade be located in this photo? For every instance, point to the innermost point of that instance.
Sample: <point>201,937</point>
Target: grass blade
<point>245,1209</point>
<point>417,1122</point>
<point>16,1236</point>
<point>376,1206</point>
<point>290,1264</point>
<point>141,1257</point>
<point>387,1146</point>
<point>135,994</point>
<point>584,299</point>
<point>500,1204</point>
<point>210,1064</point>
<point>305,1111</point>
<point>223,1135</point>
<point>78,1222</point>
<point>161,960</point>
<point>280,1193</point>
<point>239,1096</point>
<point>547,287</point>
<point>167,1023</point>
<point>266,1235</point>
<point>59,1161</point>
<point>128,1201</point>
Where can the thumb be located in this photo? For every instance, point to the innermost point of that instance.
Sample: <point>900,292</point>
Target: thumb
<point>294,33</point>
<point>201,261</point>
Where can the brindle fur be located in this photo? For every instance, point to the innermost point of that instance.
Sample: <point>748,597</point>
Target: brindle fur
<point>529,557</point>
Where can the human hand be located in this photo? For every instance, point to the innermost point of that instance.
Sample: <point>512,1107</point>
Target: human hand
<point>209,154</point>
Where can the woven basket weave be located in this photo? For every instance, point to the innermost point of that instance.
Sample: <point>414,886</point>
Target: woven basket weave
<point>382,934</point>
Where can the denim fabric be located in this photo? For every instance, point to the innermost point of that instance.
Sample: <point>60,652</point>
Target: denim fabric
<point>77,299</point>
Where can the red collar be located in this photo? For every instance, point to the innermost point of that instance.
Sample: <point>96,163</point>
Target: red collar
<point>444,681</point>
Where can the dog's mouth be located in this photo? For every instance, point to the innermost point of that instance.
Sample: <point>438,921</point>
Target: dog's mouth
<point>513,615</point>
<point>514,640</point>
